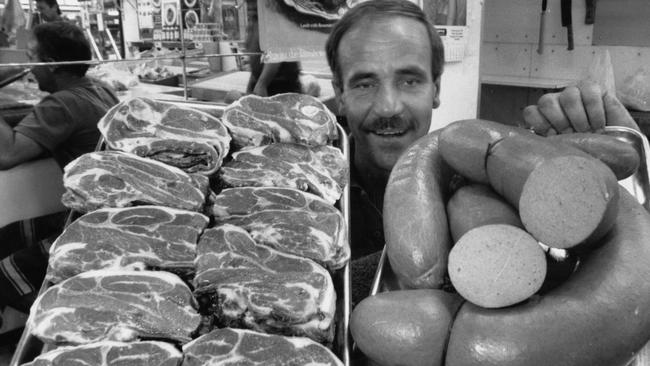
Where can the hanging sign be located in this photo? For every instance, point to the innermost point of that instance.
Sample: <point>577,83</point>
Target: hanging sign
<point>294,30</point>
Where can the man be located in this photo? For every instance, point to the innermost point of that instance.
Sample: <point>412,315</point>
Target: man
<point>386,60</point>
<point>49,10</point>
<point>63,125</point>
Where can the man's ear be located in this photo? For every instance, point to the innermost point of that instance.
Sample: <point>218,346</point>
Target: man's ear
<point>436,97</point>
<point>338,95</point>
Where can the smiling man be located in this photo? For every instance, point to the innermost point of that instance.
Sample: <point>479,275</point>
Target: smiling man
<point>387,61</point>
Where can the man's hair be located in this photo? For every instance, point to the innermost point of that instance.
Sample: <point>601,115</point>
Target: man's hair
<point>63,41</point>
<point>51,3</point>
<point>377,9</point>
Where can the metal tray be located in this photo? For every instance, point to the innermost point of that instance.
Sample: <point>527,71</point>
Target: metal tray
<point>29,346</point>
<point>638,185</point>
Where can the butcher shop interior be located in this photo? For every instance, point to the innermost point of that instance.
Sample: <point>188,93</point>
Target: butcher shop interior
<point>324,182</point>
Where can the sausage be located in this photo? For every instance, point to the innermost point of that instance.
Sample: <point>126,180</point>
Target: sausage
<point>497,265</point>
<point>464,145</point>
<point>599,317</point>
<point>405,328</point>
<point>415,221</point>
<point>618,155</point>
<point>565,200</point>
<point>530,172</point>
<point>474,205</point>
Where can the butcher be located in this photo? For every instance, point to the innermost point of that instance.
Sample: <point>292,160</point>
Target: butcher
<point>387,61</point>
<point>63,125</point>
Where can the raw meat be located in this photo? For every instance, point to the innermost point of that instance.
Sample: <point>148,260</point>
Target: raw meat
<point>253,286</point>
<point>118,179</point>
<point>321,170</point>
<point>245,347</point>
<point>185,138</point>
<point>288,220</point>
<point>288,117</point>
<point>110,353</point>
<point>116,305</point>
<point>142,237</point>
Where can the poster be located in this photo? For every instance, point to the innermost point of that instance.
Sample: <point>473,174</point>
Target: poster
<point>293,30</point>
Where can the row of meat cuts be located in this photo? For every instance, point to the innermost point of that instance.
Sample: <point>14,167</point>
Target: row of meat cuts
<point>200,240</point>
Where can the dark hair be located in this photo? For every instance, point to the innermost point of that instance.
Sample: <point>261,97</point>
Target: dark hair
<point>375,9</point>
<point>51,3</point>
<point>63,41</point>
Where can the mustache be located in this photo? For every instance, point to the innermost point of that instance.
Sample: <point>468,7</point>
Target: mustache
<point>394,122</point>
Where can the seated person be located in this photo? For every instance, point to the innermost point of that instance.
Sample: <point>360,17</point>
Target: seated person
<point>63,126</point>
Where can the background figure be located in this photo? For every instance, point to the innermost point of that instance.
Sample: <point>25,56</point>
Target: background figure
<point>267,78</point>
<point>63,126</point>
<point>49,10</point>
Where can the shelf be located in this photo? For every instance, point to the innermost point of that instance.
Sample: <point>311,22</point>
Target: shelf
<point>542,83</point>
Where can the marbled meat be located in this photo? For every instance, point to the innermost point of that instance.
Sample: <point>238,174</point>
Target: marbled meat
<point>118,179</point>
<point>288,220</point>
<point>111,353</point>
<point>141,237</point>
<point>288,117</point>
<point>230,347</point>
<point>248,285</point>
<point>115,305</point>
<point>186,138</point>
<point>321,170</point>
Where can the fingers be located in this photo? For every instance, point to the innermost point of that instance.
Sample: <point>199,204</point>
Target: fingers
<point>617,114</point>
<point>576,118</point>
<point>535,120</point>
<point>592,100</point>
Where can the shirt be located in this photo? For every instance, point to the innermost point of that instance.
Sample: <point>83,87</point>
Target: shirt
<point>65,122</point>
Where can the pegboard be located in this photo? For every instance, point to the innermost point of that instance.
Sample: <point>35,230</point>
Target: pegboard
<point>506,59</point>
<point>507,21</point>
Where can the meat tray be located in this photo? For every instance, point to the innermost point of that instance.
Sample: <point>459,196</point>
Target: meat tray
<point>30,347</point>
<point>638,185</point>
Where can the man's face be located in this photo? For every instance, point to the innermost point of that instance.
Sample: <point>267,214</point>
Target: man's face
<point>43,74</point>
<point>387,92</point>
<point>48,13</point>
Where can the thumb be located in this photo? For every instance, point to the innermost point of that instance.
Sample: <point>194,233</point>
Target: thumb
<point>616,114</point>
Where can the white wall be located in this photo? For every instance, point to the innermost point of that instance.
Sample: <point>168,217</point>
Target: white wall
<point>459,90</point>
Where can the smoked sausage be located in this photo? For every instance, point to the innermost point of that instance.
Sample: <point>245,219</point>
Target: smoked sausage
<point>415,221</point>
<point>599,317</point>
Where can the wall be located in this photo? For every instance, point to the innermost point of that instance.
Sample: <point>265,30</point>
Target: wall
<point>460,80</point>
<point>510,41</point>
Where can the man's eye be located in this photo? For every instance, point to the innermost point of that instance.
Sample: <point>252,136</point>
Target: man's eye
<point>363,84</point>
<point>411,82</point>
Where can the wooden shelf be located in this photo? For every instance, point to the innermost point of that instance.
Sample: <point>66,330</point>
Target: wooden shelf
<point>542,83</point>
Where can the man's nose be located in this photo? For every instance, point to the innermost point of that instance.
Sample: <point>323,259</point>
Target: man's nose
<point>388,102</point>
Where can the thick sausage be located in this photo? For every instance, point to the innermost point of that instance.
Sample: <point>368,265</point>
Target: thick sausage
<point>464,145</point>
<point>599,317</point>
<point>618,155</point>
<point>497,265</point>
<point>415,221</point>
<point>544,180</point>
<point>474,205</point>
<point>405,328</point>
<point>565,200</point>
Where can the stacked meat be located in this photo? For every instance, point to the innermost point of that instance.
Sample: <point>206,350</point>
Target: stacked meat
<point>181,240</point>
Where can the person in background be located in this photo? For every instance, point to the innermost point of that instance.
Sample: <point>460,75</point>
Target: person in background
<point>63,125</point>
<point>387,61</point>
<point>268,79</point>
<point>49,10</point>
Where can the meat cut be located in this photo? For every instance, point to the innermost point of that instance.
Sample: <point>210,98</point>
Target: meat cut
<point>186,138</point>
<point>142,237</point>
<point>110,353</point>
<point>117,305</point>
<point>247,285</point>
<point>321,170</point>
<point>245,347</point>
<point>288,117</point>
<point>288,220</point>
<point>118,179</point>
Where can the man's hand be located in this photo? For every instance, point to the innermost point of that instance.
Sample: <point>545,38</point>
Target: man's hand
<point>582,108</point>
